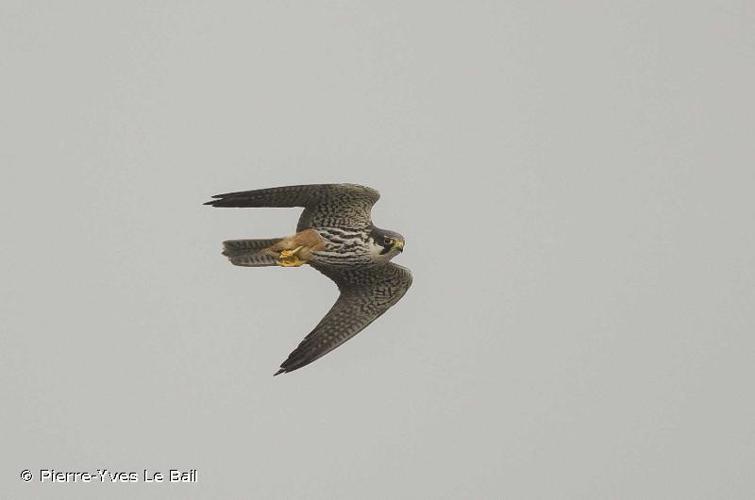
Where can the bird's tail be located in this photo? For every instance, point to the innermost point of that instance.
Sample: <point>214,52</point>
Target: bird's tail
<point>251,253</point>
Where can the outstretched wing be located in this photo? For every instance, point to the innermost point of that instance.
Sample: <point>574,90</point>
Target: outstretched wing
<point>331,205</point>
<point>366,293</point>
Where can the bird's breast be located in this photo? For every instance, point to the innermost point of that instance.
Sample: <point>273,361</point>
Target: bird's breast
<point>342,247</point>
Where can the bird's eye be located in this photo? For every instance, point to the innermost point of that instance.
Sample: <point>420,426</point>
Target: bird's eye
<point>388,242</point>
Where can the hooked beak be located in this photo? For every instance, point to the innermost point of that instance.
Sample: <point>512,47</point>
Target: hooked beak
<point>399,245</point>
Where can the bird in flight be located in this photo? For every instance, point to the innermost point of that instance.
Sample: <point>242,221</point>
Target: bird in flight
<point>336,236</point>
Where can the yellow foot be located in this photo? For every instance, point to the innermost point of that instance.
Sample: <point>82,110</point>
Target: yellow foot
<point>288,258</point>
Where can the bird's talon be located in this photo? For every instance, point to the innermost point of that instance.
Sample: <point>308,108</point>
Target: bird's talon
<point>289,258</point>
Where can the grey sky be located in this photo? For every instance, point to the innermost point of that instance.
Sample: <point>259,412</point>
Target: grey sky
<point>575,182</point>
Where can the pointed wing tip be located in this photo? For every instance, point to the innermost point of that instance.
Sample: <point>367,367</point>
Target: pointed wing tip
<point>216,198</point>
<point>287,368</point>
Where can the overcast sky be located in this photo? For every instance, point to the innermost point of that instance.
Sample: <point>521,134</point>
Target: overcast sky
<point>575,181</point>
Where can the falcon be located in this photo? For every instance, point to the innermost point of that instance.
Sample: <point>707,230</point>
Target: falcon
<point>336,236</point>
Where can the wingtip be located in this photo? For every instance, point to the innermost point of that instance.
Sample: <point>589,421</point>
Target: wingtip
<point>282,370</point>
<point>215,199</point>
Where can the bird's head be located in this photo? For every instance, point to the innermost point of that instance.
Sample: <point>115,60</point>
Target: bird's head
<point>385,244</point>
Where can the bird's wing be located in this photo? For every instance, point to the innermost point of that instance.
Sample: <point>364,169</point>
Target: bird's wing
<point>366,293</point>
<point>331,205</point>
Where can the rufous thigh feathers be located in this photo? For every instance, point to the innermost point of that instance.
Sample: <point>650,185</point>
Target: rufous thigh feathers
<point>295,250</point>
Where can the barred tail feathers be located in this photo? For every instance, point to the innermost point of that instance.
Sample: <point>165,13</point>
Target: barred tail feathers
<point>251,253</point>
